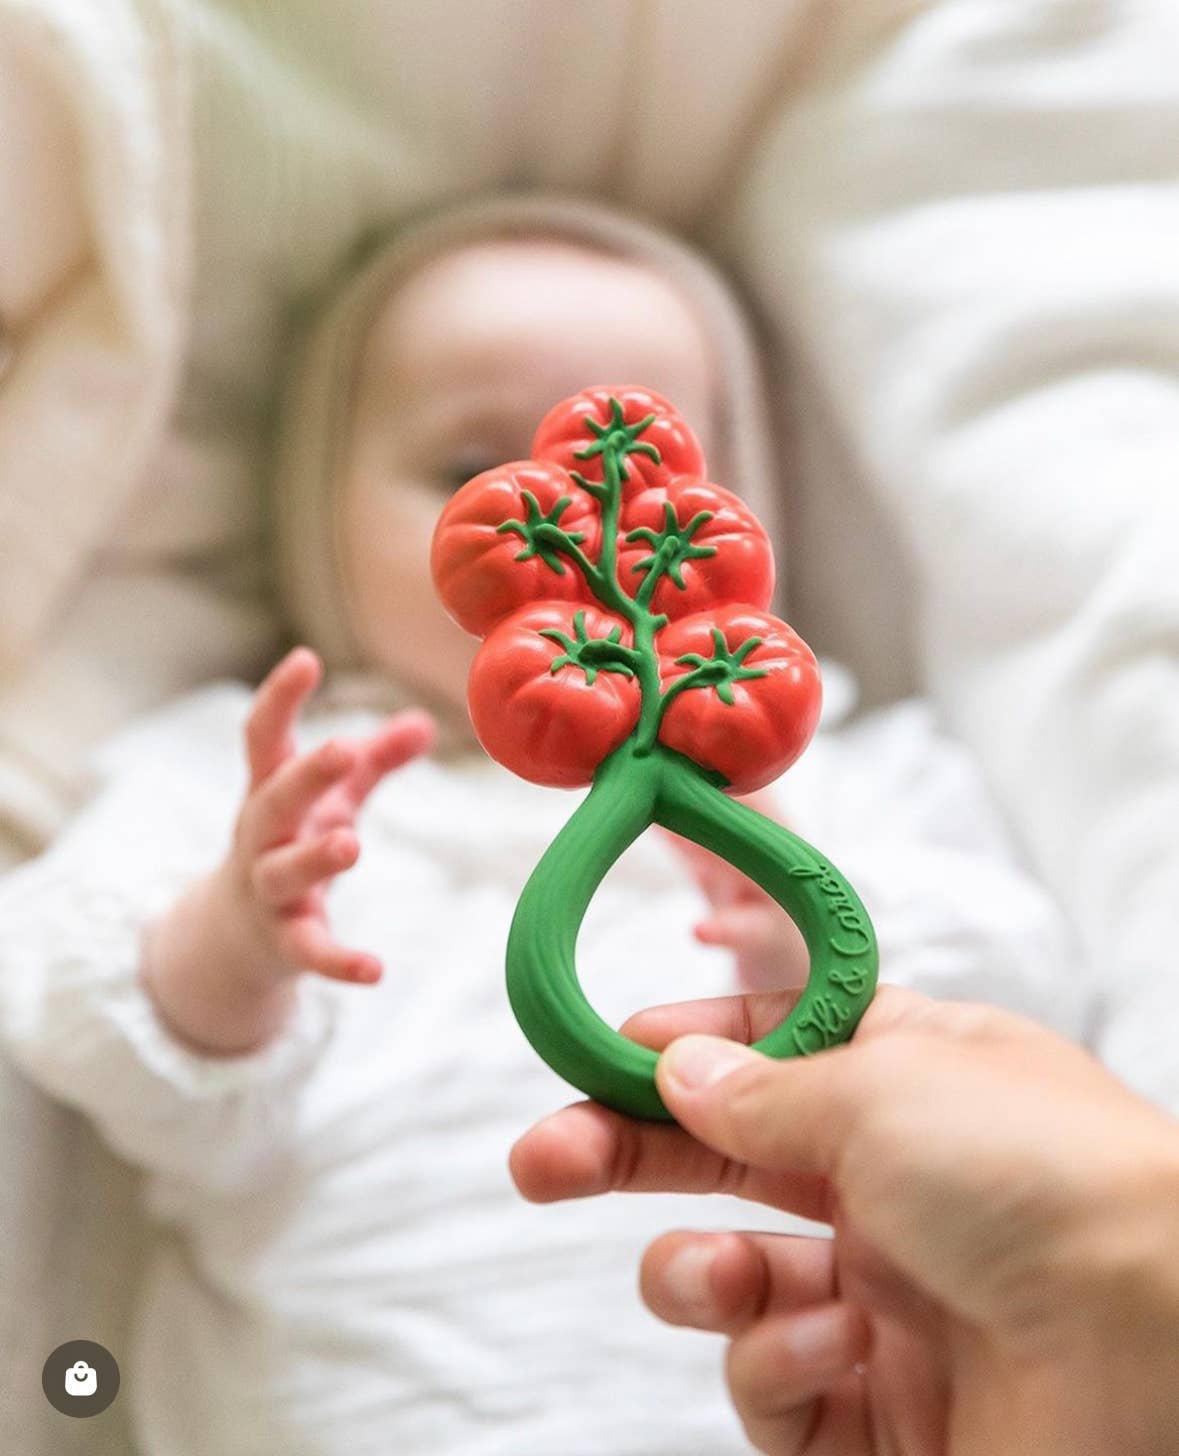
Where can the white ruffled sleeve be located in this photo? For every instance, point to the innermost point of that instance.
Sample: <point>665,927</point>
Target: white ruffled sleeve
<point>73,1014</point>
<point>966,225</point>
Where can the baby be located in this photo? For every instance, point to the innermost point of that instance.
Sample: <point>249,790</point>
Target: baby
<point>308,1048</point>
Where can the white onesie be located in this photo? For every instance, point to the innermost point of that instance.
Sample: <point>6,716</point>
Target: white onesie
<point>342,1264</point>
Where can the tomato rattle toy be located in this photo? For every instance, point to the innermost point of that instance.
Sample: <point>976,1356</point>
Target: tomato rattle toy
<point>622,601</point>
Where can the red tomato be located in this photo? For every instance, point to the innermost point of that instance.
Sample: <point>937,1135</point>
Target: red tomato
<point>740,570</point>
<point>551,728</point>
<point>771,719</point>
<point>564,431</point>
<point>474,564</point>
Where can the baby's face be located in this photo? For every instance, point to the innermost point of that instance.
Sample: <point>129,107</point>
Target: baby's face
<point>462,363</point>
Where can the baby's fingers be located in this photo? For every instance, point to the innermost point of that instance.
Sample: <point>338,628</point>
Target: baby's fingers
<point>719,881</point>
<point>744,927</point>
<point>307,942</point>
<point>404,737</point>
<point>273,812</point>
<point>283,876</point>
<point>268,732</point>
<point>768,945</point>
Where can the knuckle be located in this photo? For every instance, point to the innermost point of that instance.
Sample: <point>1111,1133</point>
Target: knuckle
<point>731,1176</point>
<point>977,1022</point>
<point>625,1156</point>
<point>758,1299</point>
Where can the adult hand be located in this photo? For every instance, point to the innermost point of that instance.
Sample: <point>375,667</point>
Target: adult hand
<point>1004,1271</point>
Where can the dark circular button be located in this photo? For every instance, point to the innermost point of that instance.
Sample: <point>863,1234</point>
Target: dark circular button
<point>80,1378</point>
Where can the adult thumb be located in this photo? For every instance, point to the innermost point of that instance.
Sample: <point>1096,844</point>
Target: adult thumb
<point>794,1114</point>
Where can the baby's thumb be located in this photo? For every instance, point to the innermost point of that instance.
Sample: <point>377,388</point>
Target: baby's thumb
<point>779,1115</point>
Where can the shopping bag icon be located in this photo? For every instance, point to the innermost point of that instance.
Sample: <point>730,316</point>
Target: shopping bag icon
<point>81,1379</point>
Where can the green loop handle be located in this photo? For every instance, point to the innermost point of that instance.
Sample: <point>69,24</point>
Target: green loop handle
<point>632,789</point>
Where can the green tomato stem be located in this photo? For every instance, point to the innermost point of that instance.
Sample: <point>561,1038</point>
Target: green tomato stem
<point>604,583</point>
<point>613,446</point>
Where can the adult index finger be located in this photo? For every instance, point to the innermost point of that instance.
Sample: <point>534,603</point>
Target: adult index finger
<point>587,1149</point>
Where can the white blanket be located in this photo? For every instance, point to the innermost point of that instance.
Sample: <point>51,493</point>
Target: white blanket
<point>341,1264</point>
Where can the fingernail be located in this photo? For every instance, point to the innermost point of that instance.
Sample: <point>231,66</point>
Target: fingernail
<point>696,1062</point>
<point>686,1277</point>
<point>818,1337</point>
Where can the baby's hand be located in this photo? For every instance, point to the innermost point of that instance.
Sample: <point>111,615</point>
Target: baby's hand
<point>220,965</point>
<point>768,947</point>
<point>296,829</point>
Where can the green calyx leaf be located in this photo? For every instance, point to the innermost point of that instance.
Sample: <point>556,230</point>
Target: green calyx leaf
<point>592,487</point>
<point>618,439</point>
<point>591,654</point>
<point>671,546</point>
<point>722,669</point>
<point>542,534</point>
